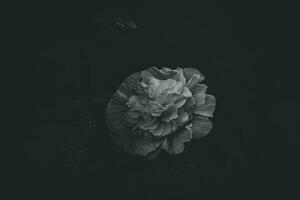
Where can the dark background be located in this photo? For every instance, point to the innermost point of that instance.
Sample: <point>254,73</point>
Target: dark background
<point>246,49</point>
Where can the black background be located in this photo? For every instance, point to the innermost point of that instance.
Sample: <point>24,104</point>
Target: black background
<point>247,51</point>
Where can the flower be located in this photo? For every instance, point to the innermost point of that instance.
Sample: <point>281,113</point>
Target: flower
<point>159,109</point>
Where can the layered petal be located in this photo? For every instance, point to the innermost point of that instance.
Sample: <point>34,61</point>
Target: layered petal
<point>175,143</point>
<point>183,117</point>
<point>170,114</point>
<point>201,126</point>
<point>167,73</point>
<point>199,93</point>
<point>190,72</point>
<point>206,109</point>
<point>194,80</point>
<point>149,123</point>
<point>129,85</point>
<point>162,130</point>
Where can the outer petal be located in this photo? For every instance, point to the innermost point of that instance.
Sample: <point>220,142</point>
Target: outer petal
<point>129,85</point>
<point>199,93</point>
<point>167,73</point>
<point>189,72</point>
<point>206,109</point>
<point>201,126</point>
<point>161,74</point>
<point>196,78</point>
<point>114,114</point>
<point>175,144</point>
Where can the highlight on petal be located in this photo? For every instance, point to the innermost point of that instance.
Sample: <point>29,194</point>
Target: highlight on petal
<point>201,126</point>
<point>196,78</point>
<point>190,72</point>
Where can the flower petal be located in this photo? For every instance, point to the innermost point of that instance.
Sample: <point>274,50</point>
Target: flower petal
<point>129,85</point>
<point>167,129</point>
<point>134,113</point>
<point>183,117</point>
<point>155,108</point>
<point>190,102</point>
<point>186,92</point>
<point>196,78</point>
<point>167,73</point>
<point>170,114</point>
<point>175,99</point>
<point>153,126</point>
<point>189,72</point>
<point>175,144</point>
<point>201,126</point>
<point>162,74</point>
<point>159,130</point>
<point>149,123</point>
<point>137,103</point>
<point>199,93</point>
<point>206,109</point>
<point>114,115</point>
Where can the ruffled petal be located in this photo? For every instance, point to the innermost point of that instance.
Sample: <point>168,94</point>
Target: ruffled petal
<point>183,117</point>
<point>167,73</point>
<point>153,126</point>
<point>149,123</point>
<point>134,113</point>
<point>159,130</point>
<point>201,126</point>
<point>206,109</point>
<point>170,114</point>
<point>189,72</point>
<point>175,144</point>
<point>199,93</point>
<point>186,92</point>
<point>155,108</point>
<point>115,112</point>
<point>175,99</point>
<point>190,102</point>
<point>196,78</point>
<point>167,129</point>
<point>136,103</point>
<point>129,85</point>
<point>162,74</point>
